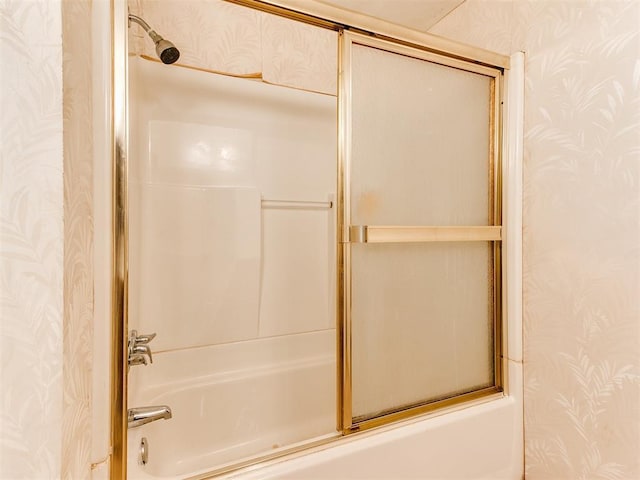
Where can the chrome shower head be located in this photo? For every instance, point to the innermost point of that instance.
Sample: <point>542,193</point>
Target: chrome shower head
<point>166,50</point>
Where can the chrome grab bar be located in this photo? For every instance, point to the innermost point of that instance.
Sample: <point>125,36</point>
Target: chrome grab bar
<point>143,415</point>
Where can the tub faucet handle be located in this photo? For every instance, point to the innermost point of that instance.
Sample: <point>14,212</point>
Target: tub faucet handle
<point>137,360</point>
<point>144,339</point>
<point>138,348</point>
<point>142,350</point>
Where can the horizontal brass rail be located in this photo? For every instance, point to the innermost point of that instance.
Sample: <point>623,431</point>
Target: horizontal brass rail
<point>393,234</point>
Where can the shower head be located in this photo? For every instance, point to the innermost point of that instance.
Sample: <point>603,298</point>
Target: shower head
<point>166,50</point>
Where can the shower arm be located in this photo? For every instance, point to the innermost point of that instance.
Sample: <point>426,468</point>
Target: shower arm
<point>147,28</point>
<point>166,50</point>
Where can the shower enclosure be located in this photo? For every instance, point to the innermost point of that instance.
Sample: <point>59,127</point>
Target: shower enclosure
<point>313,248</point>
<point>232,254</point>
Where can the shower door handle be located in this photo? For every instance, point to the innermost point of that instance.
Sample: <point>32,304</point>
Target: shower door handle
<point>420,234</point>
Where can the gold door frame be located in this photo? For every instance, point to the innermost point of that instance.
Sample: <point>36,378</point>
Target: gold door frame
<point>119,238</point>
<point>372,31</point>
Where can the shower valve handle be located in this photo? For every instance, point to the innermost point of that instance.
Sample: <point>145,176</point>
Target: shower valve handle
<point>142,350</point>
<point>138,348</point>
<point>144,339</point>
<point>137,360</point>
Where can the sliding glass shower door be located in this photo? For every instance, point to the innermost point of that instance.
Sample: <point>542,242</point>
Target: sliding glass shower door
<point>422,231</point>
<point>232,237</point>
<point>280,297</point>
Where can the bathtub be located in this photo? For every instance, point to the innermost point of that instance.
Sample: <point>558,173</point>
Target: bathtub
<point>232,401</point>
<point>483,442</point>
<point>223,415</point>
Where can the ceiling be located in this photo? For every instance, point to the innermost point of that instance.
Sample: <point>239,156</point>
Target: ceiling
<point>417,14</point>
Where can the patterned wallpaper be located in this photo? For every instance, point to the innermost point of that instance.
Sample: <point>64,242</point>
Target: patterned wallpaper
<point>223,37</point>
<point>581,226</point>
<point>78,239</point>
<point>31,239</point>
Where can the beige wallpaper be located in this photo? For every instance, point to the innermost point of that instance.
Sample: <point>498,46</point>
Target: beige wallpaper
<point>78,239</point>
<point>581,226</point>
<point>46,230</point>
<point>299,55</point>
<point>223,37</point>
<point>31,239</point>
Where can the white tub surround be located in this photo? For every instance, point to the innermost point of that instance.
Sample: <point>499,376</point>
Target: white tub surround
<point>232,264</point>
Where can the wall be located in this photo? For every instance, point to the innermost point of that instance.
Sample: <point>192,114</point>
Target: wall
<point>220,36</point>
<point>78,239</point>
<point>581,226</point>
<point>31,242</point>
<point>204,151</point>
<point>46,230</point>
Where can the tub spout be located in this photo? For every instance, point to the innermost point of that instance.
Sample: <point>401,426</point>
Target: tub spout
<point>142,415</point>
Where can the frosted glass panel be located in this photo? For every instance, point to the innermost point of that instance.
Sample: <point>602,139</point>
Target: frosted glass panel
<point>421,314</point>
<point>421,323</point>
<point>420,142</point>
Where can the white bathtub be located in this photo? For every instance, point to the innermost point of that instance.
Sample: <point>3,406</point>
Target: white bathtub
<point>222,415</point>
<point>480,442</point>
<point>233,401</point>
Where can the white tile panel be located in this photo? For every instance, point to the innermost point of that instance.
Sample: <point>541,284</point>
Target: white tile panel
<point>197,281</point>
